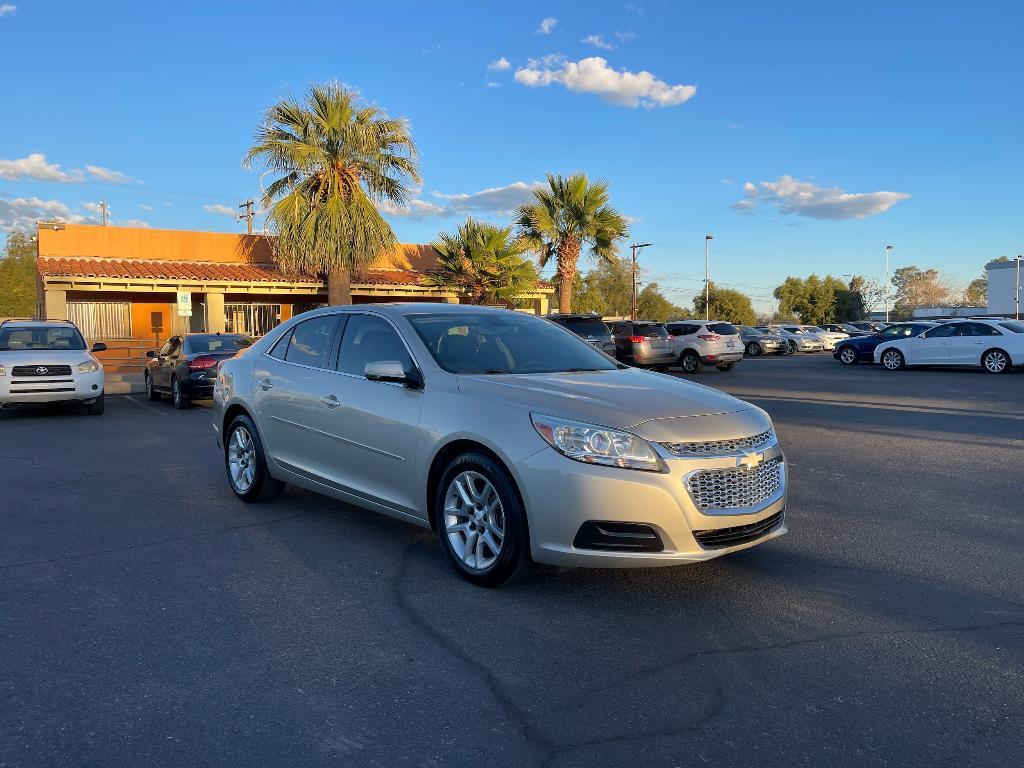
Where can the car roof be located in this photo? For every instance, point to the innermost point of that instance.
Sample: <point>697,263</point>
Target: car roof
<point>574,314</point>
<point>36,323</point>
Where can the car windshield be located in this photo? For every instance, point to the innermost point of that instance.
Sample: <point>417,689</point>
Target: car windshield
<point>586,326</point>
<point>504,342</point>
<point>207,343</point>
<point>64,338</point>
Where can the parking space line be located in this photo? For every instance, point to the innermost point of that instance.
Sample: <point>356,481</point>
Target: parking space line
<point>143,405</point>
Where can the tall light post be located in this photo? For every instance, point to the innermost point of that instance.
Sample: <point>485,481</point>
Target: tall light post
<point>887,249</point>
<point>1016,293</point>
<point>707,283</point>
<point>636,247</point>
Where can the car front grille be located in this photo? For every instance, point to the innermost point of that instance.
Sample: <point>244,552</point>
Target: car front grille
<point>738,534</point>
<point>719,447</point>
<point>40,371</point>
<point>735,488</point>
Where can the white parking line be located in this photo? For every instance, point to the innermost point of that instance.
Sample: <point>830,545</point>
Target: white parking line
<point>131,399</point>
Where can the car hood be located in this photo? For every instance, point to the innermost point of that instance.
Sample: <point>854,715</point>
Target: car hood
<point>623,398</point>
<point>20,357</point>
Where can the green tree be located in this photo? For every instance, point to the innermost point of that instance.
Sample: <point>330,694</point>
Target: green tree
<point>483,261</point>
<point>18,276</point>
<point>652,305</point>
<point>337,159</point>
<point>725,304</point>
<point>816,300</point>
<point>567,215</point>
<point>976,294</point>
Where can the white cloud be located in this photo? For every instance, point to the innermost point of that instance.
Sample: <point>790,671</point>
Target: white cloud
<point>7,8</point>
<point>493,84</point>
<point>145,207</point>
<point>92,207</point>
<point>223,210</point>
<point>500,65</point>
<point>109,176</point>
<point>22,213</point>
<point>547,25</point>
<point>598,41</point>
<point>491,201</point>
<point>593,75</point>
<point>137,223</point>
<point>35,167</point>
<point>804,198</point>
<point>624,37</point>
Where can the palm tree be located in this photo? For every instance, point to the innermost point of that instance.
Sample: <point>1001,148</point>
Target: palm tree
<point>483,262</point>
<point>337,160</point>
<point>568,214</point>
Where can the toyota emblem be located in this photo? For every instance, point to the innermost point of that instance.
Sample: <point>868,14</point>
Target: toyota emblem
<point>42,370</point>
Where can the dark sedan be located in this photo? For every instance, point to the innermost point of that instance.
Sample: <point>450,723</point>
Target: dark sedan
<point>185,367</point>
<point>861,349</point>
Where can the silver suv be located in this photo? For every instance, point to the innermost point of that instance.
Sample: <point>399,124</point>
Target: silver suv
<point>47,361</point>
<point>510,437</point>
<point>642,343</point>
<point>705,342</point>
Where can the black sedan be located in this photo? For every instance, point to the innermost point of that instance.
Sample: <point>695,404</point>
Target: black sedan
<point>185,367</point>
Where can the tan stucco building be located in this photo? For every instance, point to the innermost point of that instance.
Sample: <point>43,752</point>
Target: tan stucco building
<point>121,283</point>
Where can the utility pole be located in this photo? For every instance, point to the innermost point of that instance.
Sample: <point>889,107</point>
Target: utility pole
<point>1016,293</point>
<point>635,247</point>
<point>104,212</point>
<point>887,249</point>
<point>707,282</point>
<point>247,215</point>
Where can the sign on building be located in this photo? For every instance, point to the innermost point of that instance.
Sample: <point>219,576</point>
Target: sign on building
<point>184,304</point>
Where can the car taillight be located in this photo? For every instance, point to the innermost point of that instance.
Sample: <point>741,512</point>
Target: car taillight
<point>202,363</point>
<point>709,336</point>
<point>637,339</point>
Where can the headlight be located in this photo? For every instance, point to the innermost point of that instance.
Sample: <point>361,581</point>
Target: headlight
<point>3,371</point>
<point>89,366</point>
<point>597,445</point>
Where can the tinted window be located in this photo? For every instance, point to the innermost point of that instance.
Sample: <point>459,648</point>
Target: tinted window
<point>213,343</point>
<point>370,339</point>
<point>900,331</point>
<point>1015,326</point>
<point>651,331</point>
<point>312,341</point>
<point>281,346</point>
<point>504,342</point>
<point>941,331</point>
<point>586,326</point>
<point>725,329</point>
<point>62,338</point>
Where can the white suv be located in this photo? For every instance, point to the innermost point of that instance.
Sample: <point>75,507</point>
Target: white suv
<point>708,342</point>
<point>48,362</point>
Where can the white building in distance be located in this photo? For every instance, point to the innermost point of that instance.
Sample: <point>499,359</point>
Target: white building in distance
<point>1004,285</point>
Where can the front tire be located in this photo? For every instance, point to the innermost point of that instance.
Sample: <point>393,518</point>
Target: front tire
<point>689,362</point>
<point>178,398</point>
<point>893,360</point>
<point>151,394</point>
<point>995,361</point>
<point>481,521</point>
<point>95,408</point>
<point>753,349</point>
<point>848,356</point>
<point>246,463</point>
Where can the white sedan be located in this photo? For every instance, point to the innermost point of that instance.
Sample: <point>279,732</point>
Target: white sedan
<point>995,345</point>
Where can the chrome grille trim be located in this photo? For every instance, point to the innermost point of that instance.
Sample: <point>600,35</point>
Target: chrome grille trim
<point>715,490</point>
<point>720,447</point>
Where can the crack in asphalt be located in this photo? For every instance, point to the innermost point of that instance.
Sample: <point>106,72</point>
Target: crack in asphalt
<point>144,544</point>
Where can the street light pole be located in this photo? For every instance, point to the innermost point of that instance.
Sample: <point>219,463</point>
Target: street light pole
<point>707,283</point>
<point>635,247</point>
<point>1016,293</point>
<point>887,249</point>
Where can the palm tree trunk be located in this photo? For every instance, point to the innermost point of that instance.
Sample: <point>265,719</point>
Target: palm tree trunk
<point>339,287</point>
<point>568,258</point>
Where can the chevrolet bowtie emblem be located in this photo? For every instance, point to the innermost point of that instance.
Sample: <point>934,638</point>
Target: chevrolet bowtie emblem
<point>749,459</point>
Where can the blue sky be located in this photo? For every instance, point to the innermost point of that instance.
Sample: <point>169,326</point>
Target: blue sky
<point>817,133</point>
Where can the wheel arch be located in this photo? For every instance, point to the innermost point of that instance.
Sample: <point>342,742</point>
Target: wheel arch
<point>1009,357</point>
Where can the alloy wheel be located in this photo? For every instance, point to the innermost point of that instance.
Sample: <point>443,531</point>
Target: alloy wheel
<point>242,459</point>
<point>474,520</point>
<point>892,360</point>
<point>754,349</point>
<point>995,361</point>
<point>176,393</point>
<point>848,355</point>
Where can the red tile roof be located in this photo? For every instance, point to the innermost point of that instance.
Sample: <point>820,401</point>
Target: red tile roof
<point>147,269</point>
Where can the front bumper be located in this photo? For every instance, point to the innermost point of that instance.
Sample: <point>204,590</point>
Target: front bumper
<point>76,387</point>
<point>562,495</point>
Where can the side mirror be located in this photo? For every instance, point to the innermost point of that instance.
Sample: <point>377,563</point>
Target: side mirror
<point>151,353</point>
<point>99,346</point>
<point>393,371</point>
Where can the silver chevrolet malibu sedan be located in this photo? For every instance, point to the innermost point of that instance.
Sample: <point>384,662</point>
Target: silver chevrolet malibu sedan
<point>512,438</point>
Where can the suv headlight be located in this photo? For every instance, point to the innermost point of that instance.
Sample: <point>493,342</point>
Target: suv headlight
<point>88,366</point>
<point>592,444</point>
<point>3,371</point>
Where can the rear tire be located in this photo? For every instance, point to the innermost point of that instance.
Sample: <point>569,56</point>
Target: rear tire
<point>848,355</point>
<point>995,361</point>
<point>95,408</point>
<point>246,463</point>
<point>893,360</point>
<point>470,523</point>
<point>178,399</point>
<point>689,362</point>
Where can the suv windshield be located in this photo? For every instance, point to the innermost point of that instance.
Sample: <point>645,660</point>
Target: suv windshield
<point>586,326</point>
<point>725,329</point>
<point>213,343</point>
<point>63,338</point>
<point>493,342</point>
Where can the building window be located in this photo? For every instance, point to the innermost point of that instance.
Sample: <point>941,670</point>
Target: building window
<point>102,320</point>
<point>298,309</point>
<point>251,319</point>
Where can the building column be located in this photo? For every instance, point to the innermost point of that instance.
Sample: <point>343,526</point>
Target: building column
<point>55,304</point>
<point>215,312</point>
<point>540,304</point>
<point>450,299</point>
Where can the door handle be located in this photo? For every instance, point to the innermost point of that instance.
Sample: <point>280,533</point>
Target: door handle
<point>330,401</point>
<point>265,385</point>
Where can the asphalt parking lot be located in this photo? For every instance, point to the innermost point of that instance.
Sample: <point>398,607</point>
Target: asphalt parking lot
<point>149,618</point>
